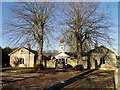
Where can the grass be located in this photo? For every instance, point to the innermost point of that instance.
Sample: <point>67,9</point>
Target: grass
<point>110,88</point>
<point>12,68</point>
<point>106,70</point>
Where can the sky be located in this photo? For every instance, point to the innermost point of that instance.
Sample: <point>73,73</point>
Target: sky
<point>113,8</point>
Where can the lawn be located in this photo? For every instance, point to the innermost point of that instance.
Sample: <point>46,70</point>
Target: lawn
<point>13,68</point>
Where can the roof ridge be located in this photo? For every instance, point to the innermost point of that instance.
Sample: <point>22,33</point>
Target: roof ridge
<point>18,49</point>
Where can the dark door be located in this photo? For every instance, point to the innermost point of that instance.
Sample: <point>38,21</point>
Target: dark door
<point>96,64</point>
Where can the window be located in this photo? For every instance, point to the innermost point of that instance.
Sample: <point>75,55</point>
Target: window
<point>21,60</point>
<point>102,61</point>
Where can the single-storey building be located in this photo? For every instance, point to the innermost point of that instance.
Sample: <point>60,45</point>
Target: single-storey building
<point>24,57</point>
<point>100,57</point>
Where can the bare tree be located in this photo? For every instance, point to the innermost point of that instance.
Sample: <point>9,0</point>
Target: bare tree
<point>69,40</point>
<point>16,61</point>
<point>31,22</point>
<point>86,22</point>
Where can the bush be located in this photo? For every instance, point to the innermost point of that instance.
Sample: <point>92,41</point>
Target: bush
<point>39,67</point>
<point>6,65</point>
<point>69,66</point>
<point>79,67</point>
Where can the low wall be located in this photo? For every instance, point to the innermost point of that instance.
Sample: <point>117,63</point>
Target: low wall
<point>73,63</point>
<point>49,63</point>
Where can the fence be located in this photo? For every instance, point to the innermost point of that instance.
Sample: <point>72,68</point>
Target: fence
<point>117,76</point>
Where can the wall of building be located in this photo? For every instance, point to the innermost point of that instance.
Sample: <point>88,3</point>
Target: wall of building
<point>109,57</point>
<point>94,58</point>
<point>72,62</point>
<point>49,63</point>
<point>22,53</point>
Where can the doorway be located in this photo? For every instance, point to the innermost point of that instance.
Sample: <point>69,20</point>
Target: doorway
<point>96,64</point>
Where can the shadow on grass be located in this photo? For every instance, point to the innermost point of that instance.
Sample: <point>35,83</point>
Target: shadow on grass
<point>13,68</point>
<point>46,71</point>
<point>69,81</point>
<point>12,81</point>
<point>18,79</point>
<point>51,71</point>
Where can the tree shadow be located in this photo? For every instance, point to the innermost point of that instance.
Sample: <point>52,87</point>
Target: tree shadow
<point>52,71</point>
<point>18,79</point>
<point>69,81</point>
<point>6,70</point>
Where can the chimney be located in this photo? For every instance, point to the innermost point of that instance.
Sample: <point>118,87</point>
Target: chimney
<point>96,44</point>
<point>28,46</point>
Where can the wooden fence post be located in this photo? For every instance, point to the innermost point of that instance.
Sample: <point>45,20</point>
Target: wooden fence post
<point>117,76</point>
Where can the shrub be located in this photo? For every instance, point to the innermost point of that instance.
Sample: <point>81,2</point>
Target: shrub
<point>69,66</point>
<point>38,67</point>
<point>79,67</point>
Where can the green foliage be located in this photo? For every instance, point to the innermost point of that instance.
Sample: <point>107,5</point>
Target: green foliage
<point>5,58</point>
<point>107,70</point>
<point>7,50</point>
<point>14,49</point>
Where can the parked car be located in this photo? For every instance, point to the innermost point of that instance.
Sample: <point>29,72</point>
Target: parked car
<point>60,63</point>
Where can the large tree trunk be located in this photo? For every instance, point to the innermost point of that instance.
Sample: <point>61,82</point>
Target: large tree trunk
<point>88,62</point>
<point>79,48</point>
<point>79,53</point>
<point>40,54</point>
<point>39,61</point>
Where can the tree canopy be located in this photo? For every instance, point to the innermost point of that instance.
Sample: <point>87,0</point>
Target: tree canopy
<point>87,23</point>
<point>31,23</point>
